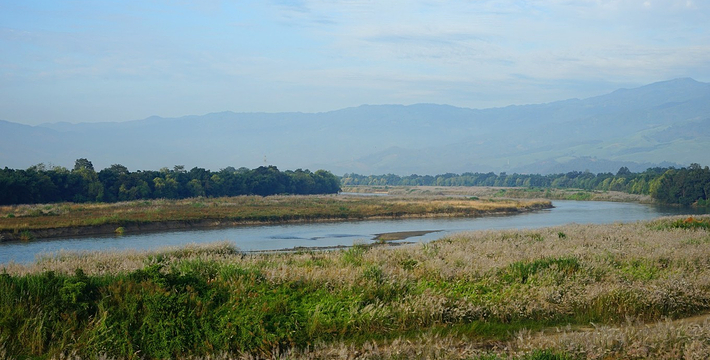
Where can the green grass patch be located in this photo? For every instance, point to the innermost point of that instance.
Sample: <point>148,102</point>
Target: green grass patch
<point>641,269</point>
<point>690,223</point>
<point>353,255</point>
<point>198,307</point>
<point>525,271</point>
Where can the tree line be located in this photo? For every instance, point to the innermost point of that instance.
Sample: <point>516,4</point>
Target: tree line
<point>684,186</point>
<point>42,184</point>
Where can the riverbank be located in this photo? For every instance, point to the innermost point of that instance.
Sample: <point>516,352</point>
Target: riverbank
<point>564,292</point>
<point>28,222</point>
<point>492,192</point>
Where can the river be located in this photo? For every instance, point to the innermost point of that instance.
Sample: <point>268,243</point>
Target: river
<point>287,236</point>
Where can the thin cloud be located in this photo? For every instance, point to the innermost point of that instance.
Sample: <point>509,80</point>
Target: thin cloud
<point>318,55</point>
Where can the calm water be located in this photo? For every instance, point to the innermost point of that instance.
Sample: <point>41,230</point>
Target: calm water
<point>274,237</point>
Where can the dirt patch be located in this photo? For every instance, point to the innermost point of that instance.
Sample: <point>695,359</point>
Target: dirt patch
<point>401,235</point>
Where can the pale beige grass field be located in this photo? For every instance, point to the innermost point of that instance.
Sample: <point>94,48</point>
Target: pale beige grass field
<point>639,276</point>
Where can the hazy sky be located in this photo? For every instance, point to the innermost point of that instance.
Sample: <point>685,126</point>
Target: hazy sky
<point>86,61</point>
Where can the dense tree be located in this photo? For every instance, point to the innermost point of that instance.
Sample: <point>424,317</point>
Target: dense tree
<point>682,186</point>
<point>83,164</point>
<point>40,184</point>
<point>114,178</point>
<point>85,183</point>
<point>266,180</point>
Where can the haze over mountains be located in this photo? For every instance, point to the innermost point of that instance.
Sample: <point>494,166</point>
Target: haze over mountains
<point>665,123</point>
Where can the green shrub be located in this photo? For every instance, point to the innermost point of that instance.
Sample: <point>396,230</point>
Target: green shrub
<point>353,256</point>
<point>640,270</point>
<point>374,273</point>
<point>522,271</point>
<point>409,263</point>
<point>26,235</point>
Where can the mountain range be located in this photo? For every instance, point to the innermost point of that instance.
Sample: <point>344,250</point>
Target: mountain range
<point>662,124</point>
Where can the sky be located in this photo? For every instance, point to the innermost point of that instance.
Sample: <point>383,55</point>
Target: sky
<point>99,61</point>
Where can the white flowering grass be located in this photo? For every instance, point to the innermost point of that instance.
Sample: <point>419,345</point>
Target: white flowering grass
<point>609,291</point>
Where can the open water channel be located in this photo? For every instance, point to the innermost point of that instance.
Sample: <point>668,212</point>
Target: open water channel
<point>289,236</point>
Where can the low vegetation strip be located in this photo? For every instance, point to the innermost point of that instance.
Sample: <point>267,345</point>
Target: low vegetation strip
<point>684,186</point>
<point>34,221</point>
<point>503,193</point>
<point>476,295</point>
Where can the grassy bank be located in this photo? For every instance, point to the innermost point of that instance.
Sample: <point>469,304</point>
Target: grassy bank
<point>571,194</point>
<point>28,221</point>
<point>570,292</point>
<point>503,193</point>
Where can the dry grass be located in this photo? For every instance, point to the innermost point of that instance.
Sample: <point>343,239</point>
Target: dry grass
<point>501,192</point>
<point>664,339</point>
<point>426,191</point>
<point>617,286</point>
<point>246,209</point>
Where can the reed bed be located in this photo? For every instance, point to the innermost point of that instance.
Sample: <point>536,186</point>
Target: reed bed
<point>569,292</point>
<point>245,209</point>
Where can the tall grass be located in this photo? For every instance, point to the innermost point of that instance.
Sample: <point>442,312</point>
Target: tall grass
<point>473,295</point>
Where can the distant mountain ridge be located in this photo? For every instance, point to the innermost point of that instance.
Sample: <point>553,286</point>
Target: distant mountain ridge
<point>662,123</point>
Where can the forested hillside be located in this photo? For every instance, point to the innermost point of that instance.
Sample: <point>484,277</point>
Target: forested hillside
<point>684,186</point>
<point>39,184</point>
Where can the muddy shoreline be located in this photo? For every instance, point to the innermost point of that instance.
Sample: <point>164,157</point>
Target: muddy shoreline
<point>383,239</point>
<point>401,235</point>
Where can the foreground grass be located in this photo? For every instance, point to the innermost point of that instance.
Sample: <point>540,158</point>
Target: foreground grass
<point>23,221</point>
<point>477,295</point>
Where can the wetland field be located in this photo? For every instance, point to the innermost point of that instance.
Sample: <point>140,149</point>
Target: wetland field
<point>26,222</point>
<point>614,291</point>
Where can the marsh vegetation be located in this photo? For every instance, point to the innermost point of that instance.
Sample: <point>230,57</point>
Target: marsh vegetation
<point>30,221</point>
<point>568,292</point>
